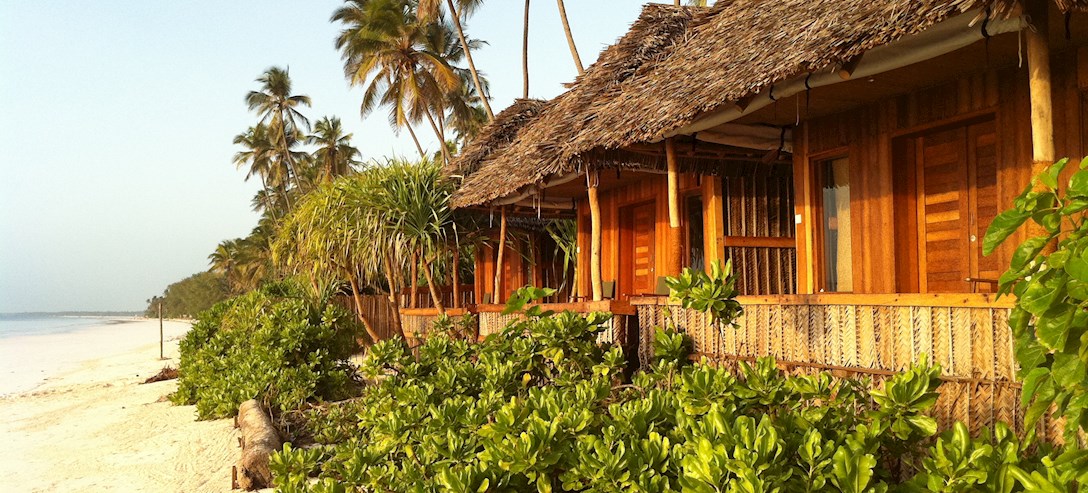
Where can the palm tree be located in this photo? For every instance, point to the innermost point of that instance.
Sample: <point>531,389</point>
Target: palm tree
<point>259,158</point>
<point>429,10</point>
<point>383,47</point>
<point>334,152</point>
<point>332,237</point>
<point>276,105</point>
<point>570,38</point>
<point>414,199</point>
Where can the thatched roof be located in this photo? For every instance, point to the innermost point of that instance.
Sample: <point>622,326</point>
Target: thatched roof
<point>748,45</point>
<point>533,154</point>
<point>496,135</point>
<point>679,63</point>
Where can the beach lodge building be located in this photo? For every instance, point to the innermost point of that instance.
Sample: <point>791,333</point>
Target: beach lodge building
<point>847,155</point>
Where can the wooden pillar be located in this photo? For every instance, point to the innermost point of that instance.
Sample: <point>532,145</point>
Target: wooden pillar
<point>455,277</point>
<point>804,201</point>
<point>1042,118</point>
<point>676,251</point>
<point>497,293</point>
<point>595,236</point>
<point>713,221</point>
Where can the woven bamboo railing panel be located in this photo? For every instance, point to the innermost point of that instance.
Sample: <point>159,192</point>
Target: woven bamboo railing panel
<point>973,345</point>
<point>494,322</point>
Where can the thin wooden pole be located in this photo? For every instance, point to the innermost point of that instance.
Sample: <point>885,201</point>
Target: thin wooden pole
<point>1042,119</point>
<point>456,277</point>
<point>595,237</point>
<point>675,254</point>
<point>499,257</point>
<point>162,354</point>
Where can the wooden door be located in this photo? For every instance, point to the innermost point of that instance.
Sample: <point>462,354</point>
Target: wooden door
<point>957,199</point>
<point>636,255</point>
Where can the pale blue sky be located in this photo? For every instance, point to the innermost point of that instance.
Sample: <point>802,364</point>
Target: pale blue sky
<point>115,134</point>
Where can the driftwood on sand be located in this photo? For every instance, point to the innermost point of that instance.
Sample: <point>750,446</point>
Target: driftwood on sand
<point>259,440</point>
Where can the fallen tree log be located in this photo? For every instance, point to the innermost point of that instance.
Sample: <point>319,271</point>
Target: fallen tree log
<point>259,440</point>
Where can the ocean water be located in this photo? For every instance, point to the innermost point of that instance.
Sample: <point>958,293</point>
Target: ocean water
<point>28,325</point>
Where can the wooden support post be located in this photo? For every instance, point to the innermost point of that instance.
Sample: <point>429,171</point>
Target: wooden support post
<point>497,294</point>
<point>161,355</point>
<point>455,277</point>
<point>1042,118</point>
<point>595,237</point>
<point>675,253</point>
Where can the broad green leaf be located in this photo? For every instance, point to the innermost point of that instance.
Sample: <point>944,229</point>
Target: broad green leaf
<point>1078,184</point>
<point>1052,327</point>
<point>1001,227</point>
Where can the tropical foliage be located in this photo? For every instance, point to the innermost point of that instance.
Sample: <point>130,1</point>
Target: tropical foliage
<point>1049,276</point>
<point>542,407</point>
<point>189,296</point>
<point>273,344</point>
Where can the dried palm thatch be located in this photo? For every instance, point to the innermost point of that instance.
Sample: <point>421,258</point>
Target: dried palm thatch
<point>677,64</point>
<point>496,135</point>
<point>535,152</point>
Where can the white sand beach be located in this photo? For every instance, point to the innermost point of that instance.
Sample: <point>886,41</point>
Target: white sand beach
<point>92,425</point>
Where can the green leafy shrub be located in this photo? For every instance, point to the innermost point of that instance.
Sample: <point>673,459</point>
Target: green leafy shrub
<point>1050,320</point>
<point>540,407</point>
<point>271,344</point>
<point>713,293</point>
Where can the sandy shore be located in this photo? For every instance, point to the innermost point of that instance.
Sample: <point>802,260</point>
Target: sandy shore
<point>91,426</point>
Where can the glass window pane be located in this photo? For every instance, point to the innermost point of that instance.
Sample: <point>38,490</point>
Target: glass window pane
<point>693,207</point>
<point>837,266</point>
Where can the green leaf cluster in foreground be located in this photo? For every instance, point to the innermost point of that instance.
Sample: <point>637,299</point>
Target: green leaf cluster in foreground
<point>541,407</point>
<point>271,344</point>
<point>1049,276</point>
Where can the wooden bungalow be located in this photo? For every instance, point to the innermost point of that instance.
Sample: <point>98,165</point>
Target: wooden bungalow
<point>847,155</point>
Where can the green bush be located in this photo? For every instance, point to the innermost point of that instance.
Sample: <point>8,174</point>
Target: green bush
<point>271,344</point>
<point>540,407</point>
<point>1050,322</point>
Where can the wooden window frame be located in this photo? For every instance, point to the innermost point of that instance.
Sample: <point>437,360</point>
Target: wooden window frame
<point>815,161</point>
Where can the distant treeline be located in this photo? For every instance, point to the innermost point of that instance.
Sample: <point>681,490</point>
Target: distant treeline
<point>190,296</point>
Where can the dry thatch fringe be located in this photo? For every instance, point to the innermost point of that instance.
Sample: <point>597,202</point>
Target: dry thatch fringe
<point>495,136</point>
<point>534,153</point>
<point>676,64</point>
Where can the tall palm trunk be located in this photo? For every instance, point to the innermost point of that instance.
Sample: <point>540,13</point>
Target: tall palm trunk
<point>468,56</point>
<point>415,139</point>
<point>374,337</point>
<point>287,158</point>
<point>570,38</point>
<point>525,53</point>
<point>441,138</point>
<point>267,199</point>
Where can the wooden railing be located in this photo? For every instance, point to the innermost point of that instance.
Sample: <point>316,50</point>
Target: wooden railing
<point>424,300</point>
<point>873,336</point>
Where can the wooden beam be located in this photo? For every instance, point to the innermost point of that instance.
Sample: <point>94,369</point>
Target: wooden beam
<point>760,241</point>
<point>1042,117</point>
<point>595,236</point>
<point>675,259</point>
<point>848,67</point>
<point>497,293</point>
